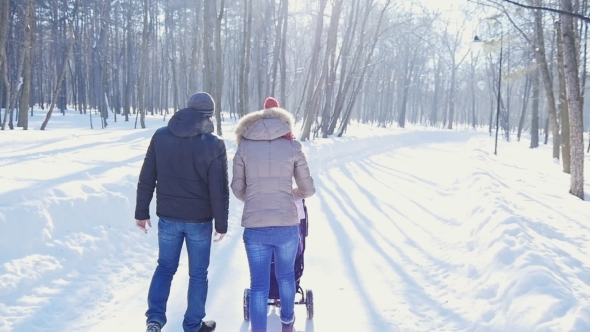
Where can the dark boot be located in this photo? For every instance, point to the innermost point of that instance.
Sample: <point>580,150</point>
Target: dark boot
<point>288,327</point>
<point>154,327</point>
<point>208,326</point>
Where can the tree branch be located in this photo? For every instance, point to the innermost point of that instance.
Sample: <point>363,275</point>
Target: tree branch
<point>520,30</point>
<point>581,17</point>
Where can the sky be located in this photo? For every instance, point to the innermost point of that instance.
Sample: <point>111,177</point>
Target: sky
<point>415,229</point>
<point>444,5</point>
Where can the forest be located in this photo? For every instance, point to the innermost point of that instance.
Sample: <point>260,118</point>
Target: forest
<point>513,68</point>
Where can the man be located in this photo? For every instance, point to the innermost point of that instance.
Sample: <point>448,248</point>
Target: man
<point>187,164</point>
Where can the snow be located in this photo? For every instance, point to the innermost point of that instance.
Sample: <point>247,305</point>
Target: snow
<point>412,229</point>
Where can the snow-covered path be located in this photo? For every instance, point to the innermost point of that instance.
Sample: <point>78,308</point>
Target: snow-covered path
<point>410,230</point>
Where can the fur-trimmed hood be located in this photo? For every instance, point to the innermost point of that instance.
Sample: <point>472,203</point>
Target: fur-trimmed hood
<point>264,125</point>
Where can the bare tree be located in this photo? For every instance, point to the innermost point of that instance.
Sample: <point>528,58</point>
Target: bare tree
<point>218,67</point>
<point>563,102</point>
<point>365,67</point>
<point>4,11</point>
<point>99,61</point>
<point>129,77</point>
<point>143,66</point>
<point>276,54</point>
<point>12,100</point>
<point>452,45</point>
<point>285,18</point>
<point>171,48</point>
<point>546,76</point>
<point>329,66</point>
<point>525,99</point>
<point>63,69</point>
<point>536,86</point>
<point>574,100</point>
<point>344,63</point>
<point>244,98</point>
<point>208,48</point>
<point>23,117</point>
<point>313,95</point>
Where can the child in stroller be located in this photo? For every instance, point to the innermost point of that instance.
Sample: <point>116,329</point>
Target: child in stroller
<point>273,293</point>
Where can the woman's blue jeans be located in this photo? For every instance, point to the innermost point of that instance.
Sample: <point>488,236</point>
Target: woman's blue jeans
<point>261,244</point>
<point>171,235</point>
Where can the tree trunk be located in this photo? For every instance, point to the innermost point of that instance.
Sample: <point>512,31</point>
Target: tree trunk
<point>357,64</point>
<point>244,97</point>
<point>574,101</point>
<point>194,48</point>
<point>365,67</point>
<point>525,99</point>
<point>218,68</point>
<point>63,69</point>
<point>98,63</point>
<point>407,80</point>
<point>80,68</point>
<point>143,67</point>
<point>435,96</point>
<point>473,92</point>
<point>276,54</point>
<point>345,81</point>
<point>60,46</point>
<point>285,18</point>
<point>208,64</point>
<point>12,100</point>
<point>129,70</point>
<point>5,15</point>
<point>535,109</point>
<point>171,50</point>
<point>313,94</point>
<point>452,96</point>
<point>545,74</point>
<point>330,66</point>
<point>563,102</point>
<point>23,106</point>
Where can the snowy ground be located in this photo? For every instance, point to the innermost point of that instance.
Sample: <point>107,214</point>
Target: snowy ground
<point>410,230</point>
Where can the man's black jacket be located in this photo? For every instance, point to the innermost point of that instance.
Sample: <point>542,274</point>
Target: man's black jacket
<point>187,164</point>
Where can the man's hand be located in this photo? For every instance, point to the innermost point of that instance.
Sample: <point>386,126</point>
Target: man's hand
<point>141,224</point>
<point>219,238</point>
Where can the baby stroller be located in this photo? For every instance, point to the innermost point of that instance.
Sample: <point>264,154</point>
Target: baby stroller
<point>273,293</point>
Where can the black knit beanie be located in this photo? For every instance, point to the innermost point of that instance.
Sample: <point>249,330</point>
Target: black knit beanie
<point>202,102</point>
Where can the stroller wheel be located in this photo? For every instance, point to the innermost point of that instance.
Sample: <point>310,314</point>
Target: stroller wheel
<point>309,303</point>
<point>247,304</point>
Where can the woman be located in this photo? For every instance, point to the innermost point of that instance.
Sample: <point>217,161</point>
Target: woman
<point>264,166</point>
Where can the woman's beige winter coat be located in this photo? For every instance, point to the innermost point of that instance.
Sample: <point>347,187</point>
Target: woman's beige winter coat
<point>264,167</point>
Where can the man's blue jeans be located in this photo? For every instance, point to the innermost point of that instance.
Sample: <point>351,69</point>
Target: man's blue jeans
<point>261,244</point>
<point>171,235</point>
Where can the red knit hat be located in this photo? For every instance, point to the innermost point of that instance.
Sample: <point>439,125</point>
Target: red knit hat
<point>270,102</point>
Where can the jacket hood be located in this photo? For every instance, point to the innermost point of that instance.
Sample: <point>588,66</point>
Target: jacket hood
<point>264,125</point>
<point>189,122</point>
